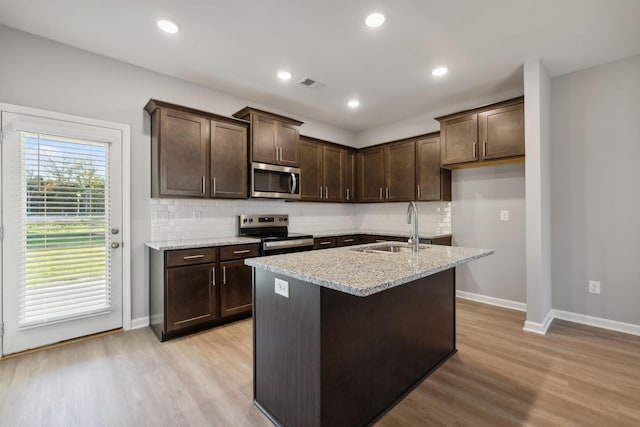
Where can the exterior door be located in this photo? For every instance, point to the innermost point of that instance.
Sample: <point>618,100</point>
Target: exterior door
<point>62,218</point>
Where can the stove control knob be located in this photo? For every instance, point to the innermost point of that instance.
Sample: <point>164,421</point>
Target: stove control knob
<point>251,220</point>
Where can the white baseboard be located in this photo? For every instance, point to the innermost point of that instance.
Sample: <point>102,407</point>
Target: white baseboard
<point>140,322</point>
<point>539,328</point>
<point>514,305</point>
<point>598,322</point>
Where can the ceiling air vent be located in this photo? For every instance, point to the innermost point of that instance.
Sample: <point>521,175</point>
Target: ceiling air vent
<point>309,82</point>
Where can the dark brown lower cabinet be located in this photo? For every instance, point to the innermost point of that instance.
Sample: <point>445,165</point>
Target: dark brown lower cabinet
<point>235,289</point>
<point>324,242</point>
<point>194,289</point>
<point>191,296</point>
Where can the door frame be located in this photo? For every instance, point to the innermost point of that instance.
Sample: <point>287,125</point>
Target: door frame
<point>125,130</point>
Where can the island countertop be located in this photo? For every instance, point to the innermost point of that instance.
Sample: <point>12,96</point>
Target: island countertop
<point>350,270</point>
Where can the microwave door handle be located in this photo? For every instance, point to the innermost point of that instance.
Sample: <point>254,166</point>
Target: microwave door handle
<point>294,183</point>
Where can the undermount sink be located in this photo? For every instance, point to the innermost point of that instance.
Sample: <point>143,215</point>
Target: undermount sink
<point>390,248</point>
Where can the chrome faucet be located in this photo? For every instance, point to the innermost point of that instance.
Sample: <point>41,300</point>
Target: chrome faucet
<point>414,237</point>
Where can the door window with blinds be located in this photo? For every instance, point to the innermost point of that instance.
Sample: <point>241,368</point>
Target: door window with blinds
<point>62,262</point>
<point>65,217</point>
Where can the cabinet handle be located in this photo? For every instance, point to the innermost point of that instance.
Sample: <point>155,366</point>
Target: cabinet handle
<point>213,277</point>
<point>244,251</point>
<point>418,191</point>
<point>380,240</point>
<point>380,193</point>
<point>203,184</point>
<point>321,192</point>
<point>326,193</point>
<point>347,194</point>
<point>325,243</point>
<point>280,155</point>
<point>475,144</point>
<point>193,256</point>
<point>213,184</point>
<point>387,193</point>
<point>277,154</point>
<point>224,275</point>
<point>484,148</point>
<point>348,240</point>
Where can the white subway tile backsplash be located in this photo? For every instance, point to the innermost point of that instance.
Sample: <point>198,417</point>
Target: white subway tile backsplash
<point>175,219</point>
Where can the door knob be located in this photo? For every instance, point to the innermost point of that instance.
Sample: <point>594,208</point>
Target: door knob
<point>115,245</point>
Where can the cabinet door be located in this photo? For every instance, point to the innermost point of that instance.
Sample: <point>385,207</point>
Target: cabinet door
<point>183,158</point>
<point>371,175</point>
<point>228,161</point>
<point>502,132</point>
<point>459,138</point>
<point>264,133</point>
<point>349,176</point>
<point>288,142</point>
<point>310,171</point>
<point>400,172</point>
<point>190,296</point>
<point>235,289</point>
<point>332,173</point>
<point>428,172</point>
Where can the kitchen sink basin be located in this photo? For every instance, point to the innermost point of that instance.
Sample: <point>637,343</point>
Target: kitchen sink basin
<point>390,248</point>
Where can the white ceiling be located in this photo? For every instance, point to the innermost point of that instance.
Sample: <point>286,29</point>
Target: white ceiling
<point>238,46</point>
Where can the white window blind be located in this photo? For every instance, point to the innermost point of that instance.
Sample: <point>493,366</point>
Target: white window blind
<point>65,271</point>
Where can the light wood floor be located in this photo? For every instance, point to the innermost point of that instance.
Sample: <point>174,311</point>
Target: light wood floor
<point>576,375</point>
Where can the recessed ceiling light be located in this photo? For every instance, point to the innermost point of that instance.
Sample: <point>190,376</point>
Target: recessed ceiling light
<point>167,26</point>
<point>374,19</point>
<point>284,75</point>
<point>440,71</point>
<point>354,103</point>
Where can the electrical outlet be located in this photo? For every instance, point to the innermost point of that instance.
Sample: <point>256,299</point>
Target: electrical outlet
<point>504,215</point>
<point>594,287</point>
<point>282,287</point>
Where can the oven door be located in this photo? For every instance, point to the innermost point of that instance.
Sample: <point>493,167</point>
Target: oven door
<point>279,247</point>
<point>275,182</point>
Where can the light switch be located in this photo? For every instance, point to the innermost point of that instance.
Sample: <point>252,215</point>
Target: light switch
<point>504,215</point>
<point>282,287</point>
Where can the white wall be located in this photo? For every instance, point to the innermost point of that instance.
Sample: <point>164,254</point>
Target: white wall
<point>537,116</point>
<point>40,73</point>
<point>479,194</point>
<point>595,191</point>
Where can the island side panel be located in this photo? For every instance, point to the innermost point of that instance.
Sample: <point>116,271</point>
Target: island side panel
<point>287,350</point>
<point>375,349</point>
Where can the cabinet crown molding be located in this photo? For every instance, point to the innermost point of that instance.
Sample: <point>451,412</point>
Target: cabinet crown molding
<point>479,109</point>
<point>247,111</point>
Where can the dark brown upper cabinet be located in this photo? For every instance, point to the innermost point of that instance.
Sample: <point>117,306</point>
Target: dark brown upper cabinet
<point>350,176</point>
<point>432,182</point>
<point>321,169</point>
<point>387,173</point>
<point>371,175</point>
<point>492,135</point>
<point>228,161</point>
<point>196,154</point>
<point>273,138</point>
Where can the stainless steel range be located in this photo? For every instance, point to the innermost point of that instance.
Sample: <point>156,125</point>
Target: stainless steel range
<point>273,230</point>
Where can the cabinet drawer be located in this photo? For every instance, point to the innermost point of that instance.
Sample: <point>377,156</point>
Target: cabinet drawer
<point>191,256</point>
<point>239,251</point>
<point>352,239</point>
<point>324,243</point>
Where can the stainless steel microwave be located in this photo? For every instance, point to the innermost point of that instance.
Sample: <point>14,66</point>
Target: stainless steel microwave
<point>275,182</point>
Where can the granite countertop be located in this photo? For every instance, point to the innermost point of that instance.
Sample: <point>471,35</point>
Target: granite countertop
<point>361,273</point>
<point>423,235</point>
<point>168,245</point>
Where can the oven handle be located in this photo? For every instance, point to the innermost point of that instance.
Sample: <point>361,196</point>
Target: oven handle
<point>284,244</point>
<point>294,183</point>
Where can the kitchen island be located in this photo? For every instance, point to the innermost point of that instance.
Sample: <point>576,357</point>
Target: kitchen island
<point>341,335</point>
